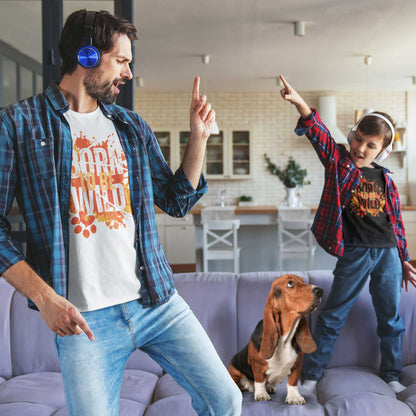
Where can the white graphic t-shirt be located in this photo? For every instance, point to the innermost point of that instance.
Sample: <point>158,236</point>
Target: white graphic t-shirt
<point>102,255</point>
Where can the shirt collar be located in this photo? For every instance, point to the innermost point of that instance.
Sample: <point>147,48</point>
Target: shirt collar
<point>57,99</point>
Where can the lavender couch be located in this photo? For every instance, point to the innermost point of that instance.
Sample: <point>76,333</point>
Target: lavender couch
<point>228,306</point>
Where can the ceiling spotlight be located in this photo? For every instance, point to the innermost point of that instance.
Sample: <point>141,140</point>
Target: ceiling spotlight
<point>414,80</point>
<point>367,59</point>
<point>299,28</point>
<point>205,59</point>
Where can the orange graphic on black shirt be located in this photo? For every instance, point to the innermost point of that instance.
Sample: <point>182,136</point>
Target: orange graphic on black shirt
<point>99,185</point>
<point>368,199</point>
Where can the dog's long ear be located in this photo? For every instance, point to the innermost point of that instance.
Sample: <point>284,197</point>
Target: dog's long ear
<point>270,329</point>
<point>304,338</point>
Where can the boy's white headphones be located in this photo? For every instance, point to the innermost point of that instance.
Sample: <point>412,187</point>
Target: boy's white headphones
<point>385,153</point>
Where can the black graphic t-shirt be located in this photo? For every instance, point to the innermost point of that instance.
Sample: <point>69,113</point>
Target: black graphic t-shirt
<point>365,221</point>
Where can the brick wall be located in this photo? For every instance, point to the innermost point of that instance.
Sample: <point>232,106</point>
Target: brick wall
<point>272,122</point>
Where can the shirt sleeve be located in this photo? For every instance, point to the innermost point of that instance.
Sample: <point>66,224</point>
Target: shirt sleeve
<point>319,136</point>
<point>172,192</point>
<point>10,251</point>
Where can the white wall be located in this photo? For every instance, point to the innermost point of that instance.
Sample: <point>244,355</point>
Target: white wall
<point>272,121</point>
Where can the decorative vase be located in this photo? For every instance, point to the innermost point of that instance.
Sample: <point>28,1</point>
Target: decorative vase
<point>292,199</point>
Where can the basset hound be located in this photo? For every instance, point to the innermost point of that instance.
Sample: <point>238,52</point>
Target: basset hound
<point>277,344</point>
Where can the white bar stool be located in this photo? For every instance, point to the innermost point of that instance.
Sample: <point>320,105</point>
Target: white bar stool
<point>294,236</point>
<point>220,242</point>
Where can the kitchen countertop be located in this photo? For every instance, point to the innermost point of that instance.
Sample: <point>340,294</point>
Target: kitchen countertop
<point>254,209</point>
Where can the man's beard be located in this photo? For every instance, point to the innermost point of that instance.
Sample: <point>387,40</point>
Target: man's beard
<point>101,91</point>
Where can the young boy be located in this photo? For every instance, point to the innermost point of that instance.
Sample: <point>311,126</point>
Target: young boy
<point>359,221</point>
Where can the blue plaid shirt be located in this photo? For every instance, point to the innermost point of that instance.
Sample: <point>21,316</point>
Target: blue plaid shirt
<point>35,167</point>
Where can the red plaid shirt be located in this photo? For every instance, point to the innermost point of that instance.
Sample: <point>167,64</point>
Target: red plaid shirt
<point>341,179</point>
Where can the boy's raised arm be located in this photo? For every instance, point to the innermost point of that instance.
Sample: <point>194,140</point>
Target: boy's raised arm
<point>291,95</point>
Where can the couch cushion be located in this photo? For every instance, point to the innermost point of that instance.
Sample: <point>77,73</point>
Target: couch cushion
<point>366,404</point>
<point>360,391</point>
<point>43,388</point>
<point>26,409</point>
<point>353,379</point>
<point>253,289</point>
<point>212,298</point>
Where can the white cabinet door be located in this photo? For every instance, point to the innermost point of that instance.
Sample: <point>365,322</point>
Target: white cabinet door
<point>177,236</point>
<point>180,242</point>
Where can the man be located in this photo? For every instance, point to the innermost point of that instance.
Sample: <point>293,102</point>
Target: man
<point>86,174</point>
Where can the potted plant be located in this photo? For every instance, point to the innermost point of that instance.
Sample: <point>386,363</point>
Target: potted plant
<point>246,200</point>
<point>292,176</point>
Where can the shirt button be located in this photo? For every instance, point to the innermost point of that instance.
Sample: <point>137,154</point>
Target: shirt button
<point>43,143</point>
<point>348,166</point>
<point>141,267</point>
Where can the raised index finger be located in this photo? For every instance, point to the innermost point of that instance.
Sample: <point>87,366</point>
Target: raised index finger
<point>195,89</point>
<point>287,86</point>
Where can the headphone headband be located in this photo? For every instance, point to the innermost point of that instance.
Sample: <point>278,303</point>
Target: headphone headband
<point>88,56</point>
<point>379,116</point>
<point>88,27</point>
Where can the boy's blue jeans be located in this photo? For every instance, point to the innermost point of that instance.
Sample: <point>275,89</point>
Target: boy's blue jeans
<point>169,333</point>
<point>350,275</point>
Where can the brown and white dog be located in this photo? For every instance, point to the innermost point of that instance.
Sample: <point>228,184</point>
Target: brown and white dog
<point>277,344</point>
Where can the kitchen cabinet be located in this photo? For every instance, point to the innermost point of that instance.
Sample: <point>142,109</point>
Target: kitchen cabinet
<point>177,236</point>
<point>409,220</point>
<point>228,154</point>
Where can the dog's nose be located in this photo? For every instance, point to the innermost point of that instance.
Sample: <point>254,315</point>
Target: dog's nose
<point>317,291</point>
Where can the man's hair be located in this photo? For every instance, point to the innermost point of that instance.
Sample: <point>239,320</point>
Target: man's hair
<point>104,27</point>
<point>375,125</point>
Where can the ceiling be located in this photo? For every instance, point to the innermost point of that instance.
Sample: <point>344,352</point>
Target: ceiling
<point>250,42</point>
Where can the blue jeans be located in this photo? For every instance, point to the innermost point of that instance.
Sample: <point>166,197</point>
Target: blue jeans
<point>350,275</point>
<point>169,333</point>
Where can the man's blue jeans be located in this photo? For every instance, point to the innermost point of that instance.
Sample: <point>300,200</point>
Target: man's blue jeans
<point>350,275</point>
<point>169,333</point>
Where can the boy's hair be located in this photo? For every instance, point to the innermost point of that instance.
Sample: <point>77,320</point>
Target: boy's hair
<point>376,125</point>
<point>105,26</point>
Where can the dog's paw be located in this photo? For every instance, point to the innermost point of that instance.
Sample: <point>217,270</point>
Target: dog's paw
<point>293,396</point>
<point>262,397</point>
<point>295,400</point>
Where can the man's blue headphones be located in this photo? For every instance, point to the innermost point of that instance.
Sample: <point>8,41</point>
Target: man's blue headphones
<point>88,55</point>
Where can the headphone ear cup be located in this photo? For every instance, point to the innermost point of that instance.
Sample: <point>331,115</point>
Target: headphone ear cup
<point>382,156</point>
<point>88,56</point>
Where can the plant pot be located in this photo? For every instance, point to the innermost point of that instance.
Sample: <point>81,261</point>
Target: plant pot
<point>292,199</point>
